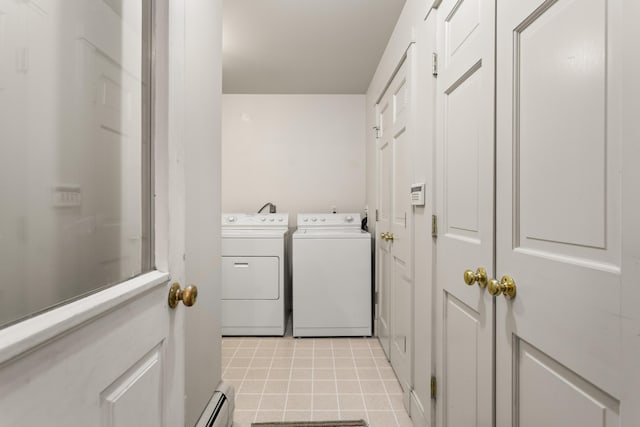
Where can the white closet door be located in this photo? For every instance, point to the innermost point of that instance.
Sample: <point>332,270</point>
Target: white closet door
<point>395,281</point>
<point>465,190</point>
<point>559,212</point>
<point>401,244</point>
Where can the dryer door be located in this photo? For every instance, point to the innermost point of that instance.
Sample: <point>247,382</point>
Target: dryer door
<point>250,278</point>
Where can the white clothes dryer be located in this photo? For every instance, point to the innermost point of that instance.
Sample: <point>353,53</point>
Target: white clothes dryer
<point>331,276</point>
<point>254,273</point>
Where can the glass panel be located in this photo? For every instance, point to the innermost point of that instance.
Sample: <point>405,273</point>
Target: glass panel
<point>74,149</point>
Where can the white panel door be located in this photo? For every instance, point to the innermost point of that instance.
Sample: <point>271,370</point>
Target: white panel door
<point>559,212</point>
<point>401,244</point>
<point>464,206</point>
<point>113,358</point>
<point>116,357</point>
<point>395,281</point>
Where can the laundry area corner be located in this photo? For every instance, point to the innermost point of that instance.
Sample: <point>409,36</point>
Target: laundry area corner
<point>304,155</point>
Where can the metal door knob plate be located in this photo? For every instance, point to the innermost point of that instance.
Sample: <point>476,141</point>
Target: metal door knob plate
<point>506,286</point>
<point>188,296</point>
<point>479,277</point>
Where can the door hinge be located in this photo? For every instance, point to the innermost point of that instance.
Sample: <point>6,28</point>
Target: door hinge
<point>405,220</point>
<point>377,129</point>
<point>377,298</point>
<point>376,215</point>
<point>434,64</point>
<point>434,226</point>
<point>434,387</point>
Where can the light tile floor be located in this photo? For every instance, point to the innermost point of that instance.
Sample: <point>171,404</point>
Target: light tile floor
<point>302,379</point>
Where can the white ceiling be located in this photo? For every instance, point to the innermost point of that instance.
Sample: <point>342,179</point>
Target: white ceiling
<point>304,46</point>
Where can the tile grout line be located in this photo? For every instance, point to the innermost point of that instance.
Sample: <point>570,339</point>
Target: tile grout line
<point>364,403</point>
<point>230,359</point>
<point>266,380</point>
<point>255,350</point>
<point>335,379</point>
<point>286,398</point>
<point>247,368</point>
<point>313,377</point>
<point>384,385</point>
<point>235,354</point>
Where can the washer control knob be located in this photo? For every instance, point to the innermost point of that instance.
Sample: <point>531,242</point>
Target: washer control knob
<point>349,218</point>
<point>306,219</point>
<point>280,219</point>
<point>263,219</point>
<point>271,219</point>
<point>314,219</point>
<point>231,219</point>
<point>323,219</point>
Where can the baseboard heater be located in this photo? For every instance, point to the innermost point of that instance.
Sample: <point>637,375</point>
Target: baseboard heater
<point>219,410</point>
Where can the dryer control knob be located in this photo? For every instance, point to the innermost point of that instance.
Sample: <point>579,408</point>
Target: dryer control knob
<point>280,219</point>
<point>271,219</point>
<point>231,219</point>
<point>263,219</point>
<point>349,218</point>
<point>306,219</point>
<point>323,219</point>
<point>314,219</point>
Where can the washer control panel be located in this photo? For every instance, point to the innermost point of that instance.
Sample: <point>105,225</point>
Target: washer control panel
<point>324,220</point>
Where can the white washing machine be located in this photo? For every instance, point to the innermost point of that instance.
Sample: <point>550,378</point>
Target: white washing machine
<point>331,276</point>
<point>254,274</point>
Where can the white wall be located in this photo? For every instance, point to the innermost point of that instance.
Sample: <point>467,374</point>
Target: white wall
<point>304,153</point>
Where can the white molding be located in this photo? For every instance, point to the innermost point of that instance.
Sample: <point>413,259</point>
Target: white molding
<point>27,335</point>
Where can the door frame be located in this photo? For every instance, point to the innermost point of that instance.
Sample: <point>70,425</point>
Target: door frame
<point>630,409</point>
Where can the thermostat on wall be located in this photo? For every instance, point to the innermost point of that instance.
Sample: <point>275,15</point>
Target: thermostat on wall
<point>417,194</point>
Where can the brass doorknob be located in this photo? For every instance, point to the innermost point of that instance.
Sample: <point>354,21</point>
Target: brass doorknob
<point>188,296</point>
<point>386,236</point>
<point>479,277</point>
<point>506,286</point>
